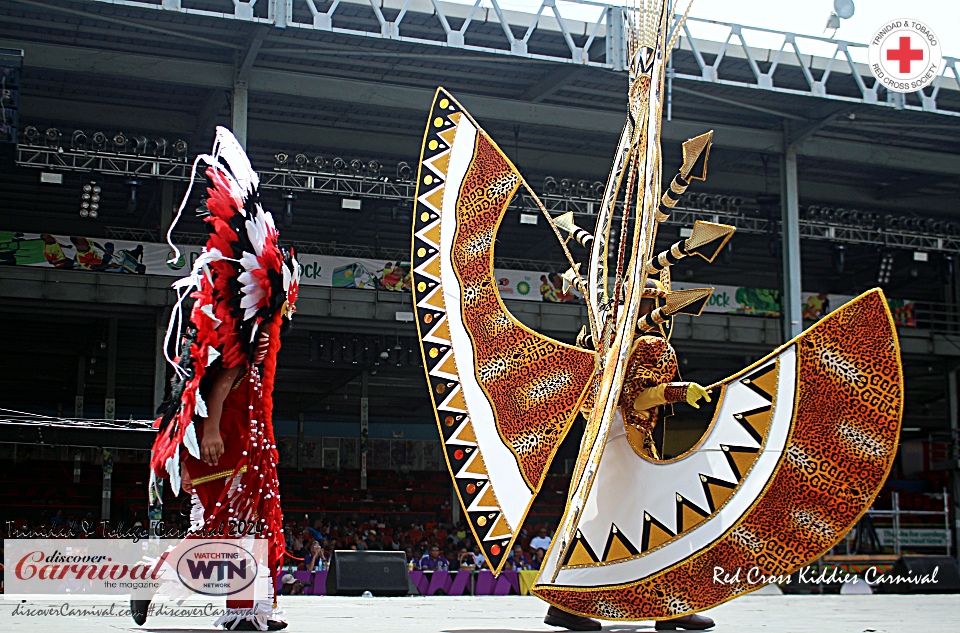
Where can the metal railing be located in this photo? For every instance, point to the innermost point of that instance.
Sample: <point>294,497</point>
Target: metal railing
<point>896,514</point>
<point>589,33</point>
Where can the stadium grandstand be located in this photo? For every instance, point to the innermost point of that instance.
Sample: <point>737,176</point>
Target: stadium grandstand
<point>834,184</point>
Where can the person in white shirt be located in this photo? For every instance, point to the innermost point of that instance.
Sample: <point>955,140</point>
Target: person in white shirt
<point>540,540</point>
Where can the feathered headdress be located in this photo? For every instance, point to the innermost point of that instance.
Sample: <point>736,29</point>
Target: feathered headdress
<point>243,280</point>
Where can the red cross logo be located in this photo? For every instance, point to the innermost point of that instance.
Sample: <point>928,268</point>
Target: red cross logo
<point>905,55</point>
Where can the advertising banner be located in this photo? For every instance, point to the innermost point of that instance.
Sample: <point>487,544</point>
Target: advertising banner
<point>226,567</point>
<point>148,258</point>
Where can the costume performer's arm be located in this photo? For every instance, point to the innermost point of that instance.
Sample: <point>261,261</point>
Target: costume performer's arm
<point>655,364</point>
<point>211,446</point>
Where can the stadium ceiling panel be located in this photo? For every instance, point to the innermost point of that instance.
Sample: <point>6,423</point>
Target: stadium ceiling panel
<point>572,32</point>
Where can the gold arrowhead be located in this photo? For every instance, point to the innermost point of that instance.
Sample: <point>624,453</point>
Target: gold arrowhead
<point>690,302</point>
<point>694,150</point>
<point>709,234</point>
<point>570,276</point>
<point>565,222</point>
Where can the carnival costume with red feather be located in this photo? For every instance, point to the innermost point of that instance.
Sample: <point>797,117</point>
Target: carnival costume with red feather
<point>243,284</point>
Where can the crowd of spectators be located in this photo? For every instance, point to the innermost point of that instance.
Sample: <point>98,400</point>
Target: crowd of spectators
<point>429,546</point>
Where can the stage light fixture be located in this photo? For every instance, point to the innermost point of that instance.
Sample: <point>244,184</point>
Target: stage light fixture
<point>119,142</point>
<point>180,148</point>
<point>78,140</point>
<point>583,188</point>
<point>132,197</point>
<point>158,147</point>
<point>598,189</point>
<point>288,198</point>
<point>566,186</point>
<point>339,164</point>
<point>90,200</point>
<point>373,168</point>
<point>549,185</point>
<point>31,135</point>
<point>301,161</point>
<point>839,258</point>
<point>99,140</point>
<point>886,268</point>
<point>319,162</point>
<point>138,144</point>
<point>281,159</point>
<point>52,137</point>
<point>404,171</point>
<point>356,167</point>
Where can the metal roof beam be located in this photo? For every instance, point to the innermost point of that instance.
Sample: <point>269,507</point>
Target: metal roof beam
<point>391,97</point>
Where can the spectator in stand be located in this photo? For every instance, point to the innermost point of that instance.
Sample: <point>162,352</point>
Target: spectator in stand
<point>415,556</point>
<point>478,557</point>
<point>467,559</point>
<point>316,530</point>
<point>540,541</point>
<point>434,561</point>
<point>412,562</point>
<point>536,559</point>
<point>453,560</point>
<point>518,560</point>
<point>316,561</point>
<point>57,520</point>
<point>373,541</point>
<point>297,547</point>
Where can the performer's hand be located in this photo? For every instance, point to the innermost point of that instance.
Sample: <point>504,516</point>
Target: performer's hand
<point>694,393</point>
<point>186,482</point>
<point>263,346</point>
<point>211,448</point>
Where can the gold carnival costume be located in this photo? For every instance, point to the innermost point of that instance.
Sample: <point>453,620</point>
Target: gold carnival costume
<point>800,442</point>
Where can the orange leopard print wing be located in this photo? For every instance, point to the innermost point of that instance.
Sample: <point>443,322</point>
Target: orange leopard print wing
<point>505,396</point>
<point>799,446</point>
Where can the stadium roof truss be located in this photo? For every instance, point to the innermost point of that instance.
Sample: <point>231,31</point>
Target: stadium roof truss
<point>576,32</point>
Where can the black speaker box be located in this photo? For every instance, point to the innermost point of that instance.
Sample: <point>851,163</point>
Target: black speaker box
<point>381,573</point>
<point>922,574</point>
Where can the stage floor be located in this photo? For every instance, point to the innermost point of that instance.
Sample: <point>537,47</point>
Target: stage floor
<point>514,614</point>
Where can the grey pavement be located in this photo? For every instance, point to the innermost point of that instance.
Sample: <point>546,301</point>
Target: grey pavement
<point>509,614</point>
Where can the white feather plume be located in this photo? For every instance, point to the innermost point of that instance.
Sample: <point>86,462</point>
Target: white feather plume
<point>190,441</point>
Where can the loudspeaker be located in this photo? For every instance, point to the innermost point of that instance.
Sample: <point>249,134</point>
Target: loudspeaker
<point>381,573</point>
<point>921,574</point>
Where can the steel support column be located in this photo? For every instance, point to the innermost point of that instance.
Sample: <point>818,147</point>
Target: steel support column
<point>364,425</point>
<point>953,410</point>
<point>238,111</point>
<point>159,361</point>
<point>300,442</point>
<point>791,308</point>
<point>167,204</point>
<point>81,387</point>
<point>110,401</point>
